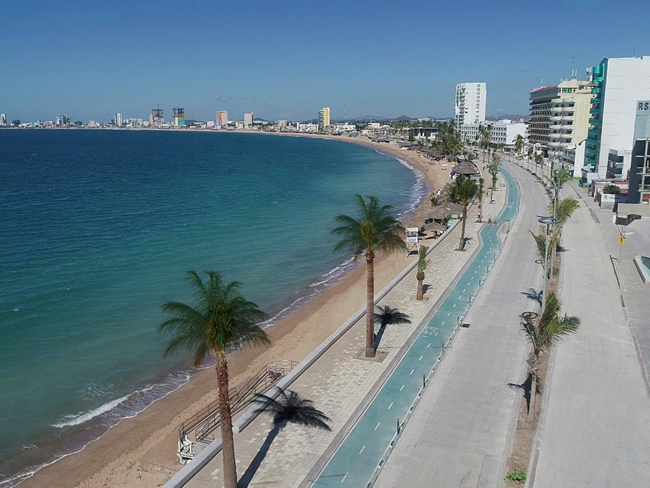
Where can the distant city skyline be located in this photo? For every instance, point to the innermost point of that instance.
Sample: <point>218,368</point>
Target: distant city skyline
<point>376,59</point>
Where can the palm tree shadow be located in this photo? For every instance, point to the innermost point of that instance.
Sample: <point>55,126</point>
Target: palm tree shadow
<point>525,387</point>
<point>259,457</point>
<point>388,316</point>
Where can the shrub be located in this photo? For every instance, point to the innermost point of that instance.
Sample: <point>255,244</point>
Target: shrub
<point>517,476</point>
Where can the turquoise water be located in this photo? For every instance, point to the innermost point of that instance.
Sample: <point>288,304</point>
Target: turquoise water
<point>355,461</point>
<point>97,230</point>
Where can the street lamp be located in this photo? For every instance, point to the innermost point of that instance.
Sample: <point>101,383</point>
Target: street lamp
<point>548,222</point>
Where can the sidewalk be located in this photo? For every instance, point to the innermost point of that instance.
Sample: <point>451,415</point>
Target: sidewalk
<point>595,430</point>
<point>460,435</point>
<point>340,380</point>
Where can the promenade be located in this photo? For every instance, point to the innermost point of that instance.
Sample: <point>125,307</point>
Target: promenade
<point>340,381</point>
<point>460,435</point>
<point>595,428</point>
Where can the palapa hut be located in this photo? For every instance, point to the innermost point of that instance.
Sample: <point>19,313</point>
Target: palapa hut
<point>467,169</point>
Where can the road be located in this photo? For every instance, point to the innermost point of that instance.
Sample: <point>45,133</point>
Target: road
<point>595,430</point>
<point>460,434</point>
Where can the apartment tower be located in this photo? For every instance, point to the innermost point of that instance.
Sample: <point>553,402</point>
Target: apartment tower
<point>471,101</point>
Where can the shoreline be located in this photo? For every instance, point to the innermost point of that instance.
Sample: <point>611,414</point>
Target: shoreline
<point>140,451</point>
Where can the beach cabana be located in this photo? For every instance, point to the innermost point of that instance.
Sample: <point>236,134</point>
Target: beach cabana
<point>467,169</point>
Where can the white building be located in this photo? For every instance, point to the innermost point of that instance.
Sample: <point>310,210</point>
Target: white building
<point>501,132</point>
<point>248,120</point>
<point>471,101</point>
<point>618,84</point>
<point>118,119</point>
<point>573,158</point>
<point>3,120</point>
<point>222,119</point>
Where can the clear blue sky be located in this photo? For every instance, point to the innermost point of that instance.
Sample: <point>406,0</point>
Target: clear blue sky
<point>284,59</point>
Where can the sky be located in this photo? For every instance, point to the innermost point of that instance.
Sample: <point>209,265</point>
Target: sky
<point>287,59</point>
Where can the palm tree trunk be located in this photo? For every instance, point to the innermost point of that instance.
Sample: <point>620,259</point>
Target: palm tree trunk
<point>227,441</point>
<point>461,246</point>
<point>370,299</point>
<point>420,295</point>
<point>492,194</point>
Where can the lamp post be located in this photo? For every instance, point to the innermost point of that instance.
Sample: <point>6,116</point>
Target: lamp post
<point>548,222</point>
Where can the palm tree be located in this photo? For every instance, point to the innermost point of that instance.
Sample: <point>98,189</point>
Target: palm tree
<point>519,143</point>
<point>550,329</point>
<point>539,159</point>
<point>494,172</point>
<point>481,191</point>
<point>565,208</point>
<point>531,151</point>
<point>540,241</point>
<point>220,320</point>
<point>374,230</point>
<point>286,408</point>
<point>422,266</point>
<point>463,191</point>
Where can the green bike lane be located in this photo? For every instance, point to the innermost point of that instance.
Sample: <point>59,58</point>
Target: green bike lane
<point>357,460</point>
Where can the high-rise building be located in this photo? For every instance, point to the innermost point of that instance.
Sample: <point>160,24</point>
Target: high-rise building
<point>324,118</point>
<point>179,117</point>
<point>248,120</point>
<point>618,84</point>
<point>118,120</point>
<point>156,117</point>
<point>639,183</point>
<point>222,119</point>
<point>3,120</point>
<point>569,118</point>
<point>471,99</point>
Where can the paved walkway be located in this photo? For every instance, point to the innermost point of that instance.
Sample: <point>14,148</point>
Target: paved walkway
<point>340,380</point>
<point>460,434</point>
<point>635,293</point>
<point>595,429</point>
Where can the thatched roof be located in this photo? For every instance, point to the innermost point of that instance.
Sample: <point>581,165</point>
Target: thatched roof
<point>435,227</point>
<point>447,209</point>
<point>466,168</point>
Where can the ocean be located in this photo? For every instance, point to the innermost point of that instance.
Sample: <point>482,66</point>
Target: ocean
<point>97,231</point>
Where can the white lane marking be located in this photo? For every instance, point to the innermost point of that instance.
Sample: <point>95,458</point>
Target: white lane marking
<point>429,345</point>
<point>411,372</point>
<point>343,480</point>
<point>362,449</point>
<point>377,426</point>
<point>442,323</point>
<point>454,306</point>
<point>436,332</point>
<point>389,406</point>
<point>464,290</point>
<point>401,388</point>
<point>421,358</point>
<point>448,314</point>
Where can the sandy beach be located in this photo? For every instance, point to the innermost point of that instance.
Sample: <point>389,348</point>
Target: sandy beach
<point>140,452</point>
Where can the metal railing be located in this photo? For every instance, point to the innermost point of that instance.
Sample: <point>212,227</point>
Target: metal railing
<point>200,426</point>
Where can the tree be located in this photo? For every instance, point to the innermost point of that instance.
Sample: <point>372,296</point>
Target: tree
<point>286,409</point>
<point>559,178</point>
<point>550,328</point>
<point>422,266</point>
<point>539,159</point>
<point>565,208</point>
<point>220,320</point>
<point>435,200</point>
<point>463,191</point>
<point>611,189</point>
<point>542,332</point>
<point>531,151</point>
<point>494,172</point>
<point>519,143</point>
<point>374,230</point>
<point>481,191</point>
<point>540,241</point>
